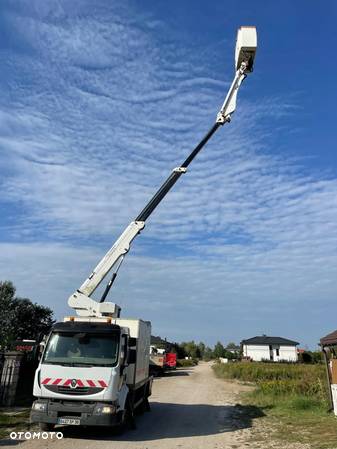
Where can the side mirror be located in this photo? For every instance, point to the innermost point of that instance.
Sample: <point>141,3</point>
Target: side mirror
<point>132,356</point>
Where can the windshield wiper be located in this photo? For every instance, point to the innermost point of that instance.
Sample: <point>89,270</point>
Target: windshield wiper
<point>47,362</point>
<point>90,365</point>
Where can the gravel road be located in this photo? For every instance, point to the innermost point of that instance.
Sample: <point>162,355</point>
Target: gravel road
<point>189,409</point>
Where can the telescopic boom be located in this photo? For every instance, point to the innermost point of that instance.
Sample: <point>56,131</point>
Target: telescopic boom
<point>80,300</point>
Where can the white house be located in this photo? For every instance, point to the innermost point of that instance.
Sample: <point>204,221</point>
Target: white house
<point>269,348</point>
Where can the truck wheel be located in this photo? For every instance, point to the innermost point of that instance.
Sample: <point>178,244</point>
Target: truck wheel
<point>119,429</point>
<point>46,426</point>
<point>130,417</point>
<point>126,419</point>
<point>147,406</point>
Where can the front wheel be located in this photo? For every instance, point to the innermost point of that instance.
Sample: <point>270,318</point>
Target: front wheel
<point>126,418</point>
<point>130,416</point>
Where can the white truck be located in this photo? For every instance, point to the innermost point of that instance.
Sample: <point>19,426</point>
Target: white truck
<point>94,369</point>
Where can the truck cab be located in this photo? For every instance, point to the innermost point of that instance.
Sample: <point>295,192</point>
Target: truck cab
<point>93,371</point>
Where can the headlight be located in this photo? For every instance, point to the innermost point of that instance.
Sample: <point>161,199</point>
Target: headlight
<point>108,409</point>
<point>101,409</point>
<point>39,406</point>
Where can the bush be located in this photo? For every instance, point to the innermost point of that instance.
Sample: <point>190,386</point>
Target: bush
<point>184,363</point>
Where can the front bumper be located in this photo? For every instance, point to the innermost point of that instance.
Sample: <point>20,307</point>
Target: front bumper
<point>73,410</point>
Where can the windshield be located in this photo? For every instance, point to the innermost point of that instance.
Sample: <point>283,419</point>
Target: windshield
<point>82,349</point>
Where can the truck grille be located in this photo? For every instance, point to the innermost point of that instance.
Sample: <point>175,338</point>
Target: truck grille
<point>78,391</point>
<point>68,390</point>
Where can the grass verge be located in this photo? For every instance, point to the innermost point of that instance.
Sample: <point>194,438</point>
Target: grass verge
<point>293,398</point>
<point>10,422</point>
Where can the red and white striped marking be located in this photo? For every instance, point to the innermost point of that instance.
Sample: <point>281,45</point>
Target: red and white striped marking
<point>79,382</point>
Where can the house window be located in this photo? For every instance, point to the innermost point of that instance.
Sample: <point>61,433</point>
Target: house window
<point>277,352</point>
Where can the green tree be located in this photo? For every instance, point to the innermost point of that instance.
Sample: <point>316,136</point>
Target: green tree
<point>7,294</point>
<point>201,347</point>
<point>179,350</point>
<point>19,317</point>
<point>219,350</point>
<point>208,354</point>
<point>305,357</point>
<point>191,349</point>
<point>317,357</point>
<point>232,355</point>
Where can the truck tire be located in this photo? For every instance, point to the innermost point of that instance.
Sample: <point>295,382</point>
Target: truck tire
<point>126,419</point>
<point>46,427</point>
<point>130,416</point>
<point>145,406</point>
<point>120,427</point>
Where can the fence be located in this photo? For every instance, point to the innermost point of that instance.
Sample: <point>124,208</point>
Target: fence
<point>2,362</point>
<point>16,378</point>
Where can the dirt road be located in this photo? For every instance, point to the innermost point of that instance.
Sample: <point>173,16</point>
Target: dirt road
<point>190,409</point>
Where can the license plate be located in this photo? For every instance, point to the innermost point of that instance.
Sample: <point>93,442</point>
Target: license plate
<point>70,421</point>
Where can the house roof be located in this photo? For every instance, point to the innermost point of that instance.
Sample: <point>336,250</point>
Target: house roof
<point>330,339</point>
<point>265,340</point>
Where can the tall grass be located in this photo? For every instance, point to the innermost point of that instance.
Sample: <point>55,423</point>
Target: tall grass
<point>294,399</point>
<point>300,386</point>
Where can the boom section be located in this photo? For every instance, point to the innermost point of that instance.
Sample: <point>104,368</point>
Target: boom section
<point>81,300</point>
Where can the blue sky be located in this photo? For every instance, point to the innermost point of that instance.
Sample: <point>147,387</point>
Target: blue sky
<point>99,101</point>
